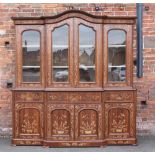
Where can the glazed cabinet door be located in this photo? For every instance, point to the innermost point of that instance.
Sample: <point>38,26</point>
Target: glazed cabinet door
<point>60,122</point>
<point>30,56</point>
<point>118,61</point>
<point>59,58</point>
<point>88,122</point>
<point>87,54</point>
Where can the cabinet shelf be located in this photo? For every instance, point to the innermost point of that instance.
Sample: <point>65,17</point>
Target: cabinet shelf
<point>116,45</point>
<point>31,66</point>
<point>88,67</point>
<point>60,66</point>
<point>118,66</point>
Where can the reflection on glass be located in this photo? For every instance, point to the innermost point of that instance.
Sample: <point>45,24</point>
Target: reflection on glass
<point>116,55</point>
<point>86,54</point>
<point>31,74</point>
<point>60,74</point>
<point>60,54</point>
<point>31,56</point>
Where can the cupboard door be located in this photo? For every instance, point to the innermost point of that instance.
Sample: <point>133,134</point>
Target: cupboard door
<point>119,120</point>
<point>118,55</point>
<point>87,54</point>
<point>28,122</point>
<point>88,122</point>
<point>30,56</point>
<point>60,54</point>
<point>60,122</point>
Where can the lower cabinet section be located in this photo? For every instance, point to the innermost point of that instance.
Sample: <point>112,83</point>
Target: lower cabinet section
<point>56,123</point>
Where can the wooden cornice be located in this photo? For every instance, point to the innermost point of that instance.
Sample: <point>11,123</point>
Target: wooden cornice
<point>73,14</point>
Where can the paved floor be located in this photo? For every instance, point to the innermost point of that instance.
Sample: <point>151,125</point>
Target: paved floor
<point>145,144</point>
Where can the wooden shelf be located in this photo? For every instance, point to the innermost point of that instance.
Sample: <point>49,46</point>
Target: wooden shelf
<point>117,66</point>
<point>60,67</point>
<point>30,66</point>
<point>116,46</point>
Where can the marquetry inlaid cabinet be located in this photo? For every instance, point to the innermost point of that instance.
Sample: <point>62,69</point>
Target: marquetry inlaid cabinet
<point>74,82</point>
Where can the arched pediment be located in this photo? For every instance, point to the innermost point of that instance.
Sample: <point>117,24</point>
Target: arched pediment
<point>72,14</point>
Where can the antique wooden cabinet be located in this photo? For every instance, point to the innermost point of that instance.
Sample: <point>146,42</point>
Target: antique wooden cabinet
<point>74,81</point>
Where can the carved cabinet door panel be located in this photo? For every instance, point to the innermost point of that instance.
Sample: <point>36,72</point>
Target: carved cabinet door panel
<point>28,120</point>
<point>88,122</point>
<point>60,122</point>
<point>119,120</point>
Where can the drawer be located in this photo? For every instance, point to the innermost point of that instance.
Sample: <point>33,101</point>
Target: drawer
<point>29,97</point>
<point>85,97</point>
<point>57,97</point>
<point>118,96</point>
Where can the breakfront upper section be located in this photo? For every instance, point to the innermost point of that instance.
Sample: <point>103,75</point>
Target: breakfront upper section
<point>74,50</point>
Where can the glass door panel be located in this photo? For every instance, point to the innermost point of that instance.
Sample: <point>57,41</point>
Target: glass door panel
<point>86,54</point>
<point>31,56</point>
<point>60,50</point>
<point>116,55</point>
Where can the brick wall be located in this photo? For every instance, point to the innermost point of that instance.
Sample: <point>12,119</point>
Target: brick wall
<point>145,85</point>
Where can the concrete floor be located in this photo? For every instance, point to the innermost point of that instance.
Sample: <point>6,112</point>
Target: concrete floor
<point>145,144</point>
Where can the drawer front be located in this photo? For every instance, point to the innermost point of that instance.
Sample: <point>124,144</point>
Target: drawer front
<point>85,97</point>
<point>57,97</point>
<point>29,97</point>
<point>118,96</point>
<point>74,97</point>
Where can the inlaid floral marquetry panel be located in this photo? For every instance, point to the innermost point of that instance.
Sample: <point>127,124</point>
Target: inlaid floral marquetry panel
<point>88,121</point>
<point>60,121</point>
<point>29,120</point>
<point>118,120</point>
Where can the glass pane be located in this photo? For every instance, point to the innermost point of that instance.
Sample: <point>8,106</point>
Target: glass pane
<point>86,54</point>
<point>60,54</point>
<point>31,48</point>
<point>31,56</point>
<point>116,55</point>
<point>31,74</point>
